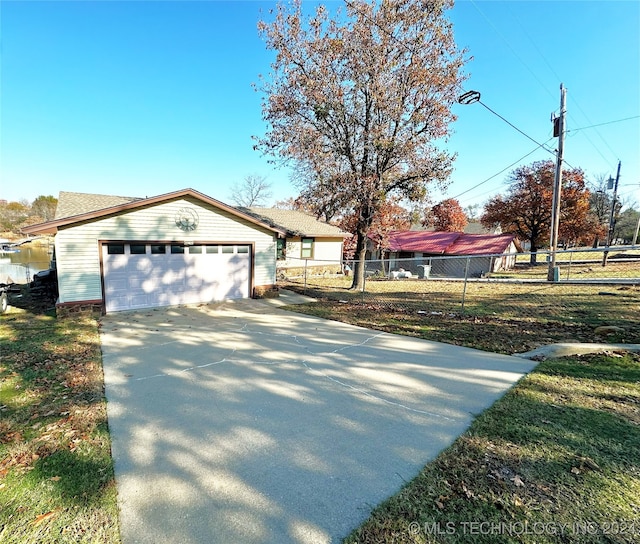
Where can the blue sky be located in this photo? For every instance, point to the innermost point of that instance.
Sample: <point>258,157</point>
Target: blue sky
<point>143,98</point>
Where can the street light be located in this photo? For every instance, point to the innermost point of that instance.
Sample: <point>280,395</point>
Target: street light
<point>470,97</point>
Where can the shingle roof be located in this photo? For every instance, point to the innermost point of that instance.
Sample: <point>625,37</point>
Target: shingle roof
<point>71,204</point>
<point>296,223</point>
<point>449,243</point>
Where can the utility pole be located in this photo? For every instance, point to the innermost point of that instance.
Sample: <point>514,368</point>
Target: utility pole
<point>612,217</point>
<point>559,131</point>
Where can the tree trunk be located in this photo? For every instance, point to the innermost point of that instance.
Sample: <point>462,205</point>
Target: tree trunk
<point>533,258</point>
<point>359,263</point>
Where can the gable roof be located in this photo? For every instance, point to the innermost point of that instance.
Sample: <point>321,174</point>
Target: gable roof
<point>449,243</point>
<point>82,206</point>
<point>70,204</point>
<point>296,223</point>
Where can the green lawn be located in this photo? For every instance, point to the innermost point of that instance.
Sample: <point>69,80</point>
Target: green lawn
<point>56,474</point>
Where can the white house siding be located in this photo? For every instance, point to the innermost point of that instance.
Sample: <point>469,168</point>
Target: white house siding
<point>326,252</point>
<point>78,254</point>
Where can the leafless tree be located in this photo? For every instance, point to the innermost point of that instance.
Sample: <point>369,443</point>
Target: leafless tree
<point>252,191</point>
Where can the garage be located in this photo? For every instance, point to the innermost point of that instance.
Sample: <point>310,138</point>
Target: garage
<point>115,253</point>
<point>150,274</point>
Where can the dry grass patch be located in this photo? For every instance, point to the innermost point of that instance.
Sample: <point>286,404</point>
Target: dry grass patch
<point>496,316</point>
<point>56,473</point>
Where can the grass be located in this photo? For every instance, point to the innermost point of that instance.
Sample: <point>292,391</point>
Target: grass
<point>555,460</point>
<point>573,270</point>
<point>499,317</point>
<point>56,473</point>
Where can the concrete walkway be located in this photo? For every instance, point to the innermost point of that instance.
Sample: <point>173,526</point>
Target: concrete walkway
<point>244,423</point>
<point>564,349</point>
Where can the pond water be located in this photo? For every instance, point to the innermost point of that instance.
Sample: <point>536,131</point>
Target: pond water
<point>20,267</point>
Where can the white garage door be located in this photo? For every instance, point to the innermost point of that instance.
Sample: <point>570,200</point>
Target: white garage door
<point>144,275</point>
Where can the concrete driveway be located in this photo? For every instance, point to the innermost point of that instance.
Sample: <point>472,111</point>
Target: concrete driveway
<point>244,423</point>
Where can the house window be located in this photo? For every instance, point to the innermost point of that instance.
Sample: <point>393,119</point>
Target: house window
<point>177,249</point>
<point>306,249</point>
<point>115,249</point>
<point>281,249</point>
<point>227,249</point>
<point>158,249</point>
<point>138,249</point>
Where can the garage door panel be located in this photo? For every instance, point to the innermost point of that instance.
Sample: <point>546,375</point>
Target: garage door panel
<point>138,301</point>
<point>146,280</point>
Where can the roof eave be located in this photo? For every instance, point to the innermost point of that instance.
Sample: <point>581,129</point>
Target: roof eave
<point>318,235</point>
<point>51,227</point>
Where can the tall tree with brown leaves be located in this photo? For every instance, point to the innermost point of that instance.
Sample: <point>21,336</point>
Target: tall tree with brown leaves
<point>448,216</point>
<point>526,209</point>
<point>360,99</point>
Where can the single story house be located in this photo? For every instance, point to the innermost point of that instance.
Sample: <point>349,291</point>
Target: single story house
<point>446,252</point>
<point>308,242</point>
<point>122,253</point>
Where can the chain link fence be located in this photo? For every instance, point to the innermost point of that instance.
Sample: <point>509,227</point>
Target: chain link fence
<point>504,286</point>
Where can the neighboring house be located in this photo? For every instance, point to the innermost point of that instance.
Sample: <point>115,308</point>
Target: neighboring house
<point>443,252</point>
<point>121,253</point>
<point>308,242</point>
<point>475,227</point>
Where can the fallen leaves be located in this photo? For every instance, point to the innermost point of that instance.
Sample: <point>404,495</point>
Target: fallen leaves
<point>441,500</point>
<point>585,464</point>
<point>43,517</point>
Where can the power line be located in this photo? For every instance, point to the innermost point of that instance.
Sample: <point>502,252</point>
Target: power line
<point>512,49</point>
<point>603,124</point>
<point>501,171</point>
<point>520,131</point>
<point>473,2</point>
<point>535,46</point>
<point>471,97</point>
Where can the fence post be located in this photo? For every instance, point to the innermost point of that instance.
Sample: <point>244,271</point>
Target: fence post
<point>364,280</point>
<point>304,291</point>
<point>464,289</point>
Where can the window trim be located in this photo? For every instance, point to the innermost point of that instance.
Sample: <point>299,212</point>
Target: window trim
<point>311,249</point>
